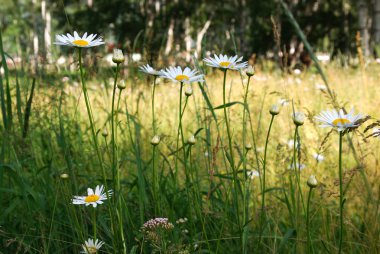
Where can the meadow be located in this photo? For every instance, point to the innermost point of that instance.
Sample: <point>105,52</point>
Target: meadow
<point>201,167</point>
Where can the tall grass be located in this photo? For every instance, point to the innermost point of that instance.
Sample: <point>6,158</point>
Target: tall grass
<point>198,174</point>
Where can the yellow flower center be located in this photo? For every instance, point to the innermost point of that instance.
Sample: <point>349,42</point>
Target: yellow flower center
<point>91,198</point>
<point>224,64</point>
<point>91,250</point>
<point>181,78</point>
<point>80,43</point>
<point>340,121</point>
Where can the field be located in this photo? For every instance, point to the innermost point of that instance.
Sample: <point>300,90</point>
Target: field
<point>218,173</point>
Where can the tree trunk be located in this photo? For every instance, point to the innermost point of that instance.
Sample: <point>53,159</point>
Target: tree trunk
<point>376,21</point>
<point>34,32</point>
<point>170,36</point>
<point>187,39</point>
<point>46,20</point>
<point>244,16</point>
<point>200,36</point>
<point>364,25</point>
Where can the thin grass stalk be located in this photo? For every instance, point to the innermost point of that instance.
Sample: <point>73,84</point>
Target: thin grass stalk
<point>94,137</point>
<point>231,156</point>
<point>178,133</point>
<point>309,242</point>
<point>7,118</point>
<point>141,197</point>
<point>297,170</point>
<point>154,129</point>
<point>119,201</point>
<point>94,223</point>
<point>262,222</point>
<point>28,110</point>
<point>341,198</point>
<point>198,199</point>
<point>90,116</point>
<point>115,171</point>
<point>52,220</point>
<point>245,193</point>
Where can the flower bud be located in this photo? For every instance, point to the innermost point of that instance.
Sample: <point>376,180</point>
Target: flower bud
<point>275,109</point>
<point>189,92</point>
<point>298,118</point>
<point>105,132</point>
<point>250,71</point>
<point>64,176</point>
<point>248,146</point>
<point>191,140</point>
<point>312,181</point>
<point>118,56</point>
<point>155,140</point>
<point>121,85</point>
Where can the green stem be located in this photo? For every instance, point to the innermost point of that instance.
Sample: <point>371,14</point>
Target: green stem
<point>296,150</point>
<point>309,243</point>
<point>155,190</point>
<point>115,173</point>
<point>231,156</point>
<point>94,222</point>
<point>95,140</point>
<point>120,205</point>
<point>153,116</point>
<point>246,204</point>
<point>90,116</point>
<point>265,165</point>
<point>341,198</point>
<point>264,181</point>
<point>180,132</point>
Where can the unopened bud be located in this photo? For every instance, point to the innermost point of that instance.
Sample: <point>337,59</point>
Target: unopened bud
<point>250,71</point>
<point>64,176</point>
<point>155,140</point>
<point>298,118</point>
<point>118,56</point>
<point>312,181</point>
<point>248,146</point>
<point>275,109</point>
<point>105,132</point>
<point>121,85</point>
<point>189,92</point>
<point>191,141</point>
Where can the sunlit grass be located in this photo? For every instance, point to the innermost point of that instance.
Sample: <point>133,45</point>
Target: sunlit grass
<point>36,201</point>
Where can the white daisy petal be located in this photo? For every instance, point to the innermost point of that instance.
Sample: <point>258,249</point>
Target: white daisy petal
<point>226,62</point>
<point>92,198</point>
<point>90,246</point>
<point>176,74</point>
<point>338,119</point>
<point>86,41</point>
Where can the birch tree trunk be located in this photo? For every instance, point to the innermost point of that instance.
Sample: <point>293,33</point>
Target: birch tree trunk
<point>34,35</point>
<point>376,22</point>
<point>200,36</point>
<point>363,25</point>
<point>187,39</point>
<point>46,19</point>
<point>170,36</point>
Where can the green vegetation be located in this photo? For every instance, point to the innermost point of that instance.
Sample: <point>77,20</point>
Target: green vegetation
<point>224,164</point>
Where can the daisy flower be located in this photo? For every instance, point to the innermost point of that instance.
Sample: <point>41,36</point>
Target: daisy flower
<point>92,198</point>
<point>252,174</point>
<point>318,157</point>
<point>176,74</point>
<point>226,62</point>
<point>149,70</point>
<point>339,120</point>
<point>90,246</point>
<point>77,41</point>
<point>298,166</point>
